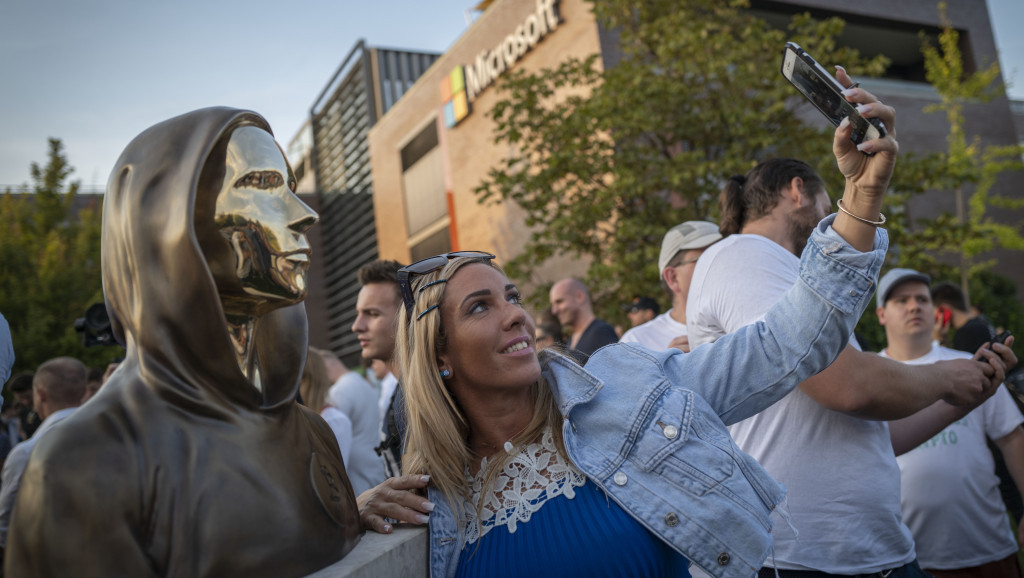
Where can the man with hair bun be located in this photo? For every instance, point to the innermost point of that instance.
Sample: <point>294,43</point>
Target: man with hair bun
<point>827,441</point>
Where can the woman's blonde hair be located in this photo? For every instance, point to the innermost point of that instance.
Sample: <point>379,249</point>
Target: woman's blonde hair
<point>436,442</point>
<point>315,383</point>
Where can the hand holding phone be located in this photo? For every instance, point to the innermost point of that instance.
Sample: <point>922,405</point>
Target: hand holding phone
<point>1001,338</point>
<point>825,93</point>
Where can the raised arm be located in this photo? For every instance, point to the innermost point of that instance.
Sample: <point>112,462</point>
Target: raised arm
<point>867,177</point>
<point>868,386</point>
<point>831,270</point>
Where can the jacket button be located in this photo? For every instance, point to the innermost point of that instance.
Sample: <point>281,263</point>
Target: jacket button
<point>670,432</point>
<point>620,479</point>
<point>723,559</point>
<point>672,519</point>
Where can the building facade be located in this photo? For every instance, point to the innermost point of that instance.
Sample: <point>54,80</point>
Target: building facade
<point>432,149</point>
<point>330,156</point>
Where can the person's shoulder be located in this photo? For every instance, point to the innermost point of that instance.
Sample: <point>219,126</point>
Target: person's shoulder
<point>18,457</point>
<point>973,334</point>
<point>740,256</point>
<point>600,331</point>
<point>640,333</point>
<point>651,333</point>
<point>743,244</point>
<point>943,353</point>
<point>352,383</point>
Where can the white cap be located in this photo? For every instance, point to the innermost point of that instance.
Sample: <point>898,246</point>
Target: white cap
<point>690,235</point>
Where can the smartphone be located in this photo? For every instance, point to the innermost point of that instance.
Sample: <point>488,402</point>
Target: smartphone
<point>825,93</point>
<point>1001,338</point>
<point>943,316</point>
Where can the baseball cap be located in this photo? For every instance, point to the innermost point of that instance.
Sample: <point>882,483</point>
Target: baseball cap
<point>684,237</point>
<point>890,280</point>
<point>641,303</point>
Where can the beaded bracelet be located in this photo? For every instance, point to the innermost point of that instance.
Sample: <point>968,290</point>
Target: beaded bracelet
<point>861,219</point>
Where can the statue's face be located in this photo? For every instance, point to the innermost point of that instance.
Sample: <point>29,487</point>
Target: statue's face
<point>264,223</point>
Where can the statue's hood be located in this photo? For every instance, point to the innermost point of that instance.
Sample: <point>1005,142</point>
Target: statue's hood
<point>159,291</point>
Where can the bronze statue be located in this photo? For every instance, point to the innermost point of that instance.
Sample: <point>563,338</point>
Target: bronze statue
<point>194,460</point>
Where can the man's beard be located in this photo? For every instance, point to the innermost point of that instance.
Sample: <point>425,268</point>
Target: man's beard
<point>801,223</point>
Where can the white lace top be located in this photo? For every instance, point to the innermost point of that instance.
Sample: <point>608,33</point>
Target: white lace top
<point>535,475</point>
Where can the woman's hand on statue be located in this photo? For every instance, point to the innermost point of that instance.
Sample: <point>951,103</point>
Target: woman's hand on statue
<point>394,499</point>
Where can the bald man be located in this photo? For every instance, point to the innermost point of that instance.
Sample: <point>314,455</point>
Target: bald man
<point>570,303</point>
<point>57,389</point>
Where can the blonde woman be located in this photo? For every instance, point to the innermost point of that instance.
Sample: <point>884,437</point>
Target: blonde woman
<point>535,466</point>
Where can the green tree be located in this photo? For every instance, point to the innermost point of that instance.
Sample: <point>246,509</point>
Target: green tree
<point>604,161</point>
<point>49,265</point>
<point>957,246</point>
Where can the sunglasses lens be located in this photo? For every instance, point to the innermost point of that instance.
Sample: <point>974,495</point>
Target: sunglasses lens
<point>429,265</point>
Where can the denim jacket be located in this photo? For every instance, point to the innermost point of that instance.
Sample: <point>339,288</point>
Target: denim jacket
<point>648,427</point>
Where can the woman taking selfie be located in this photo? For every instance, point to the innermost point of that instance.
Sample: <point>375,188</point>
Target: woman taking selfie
<point>536,466</point>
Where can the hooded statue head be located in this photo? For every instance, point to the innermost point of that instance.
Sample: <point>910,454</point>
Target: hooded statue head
<point>194,458</point>
<point>201,227</point>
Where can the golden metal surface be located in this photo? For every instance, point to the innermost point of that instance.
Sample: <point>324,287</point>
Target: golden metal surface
<point>194,457</point>
<point>265,224</point>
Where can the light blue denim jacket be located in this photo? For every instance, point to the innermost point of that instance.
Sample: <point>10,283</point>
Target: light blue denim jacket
<point>648,427</point>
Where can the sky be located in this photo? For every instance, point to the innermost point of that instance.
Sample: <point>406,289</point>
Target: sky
<point>95,73</point>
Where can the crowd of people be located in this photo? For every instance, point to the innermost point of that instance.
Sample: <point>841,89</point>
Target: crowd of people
<point>740,432</point>
<point>533,442</point>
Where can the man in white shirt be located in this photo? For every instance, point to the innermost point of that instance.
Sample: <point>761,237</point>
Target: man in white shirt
<point>57,389</point>
<point>376,325</point>
<point>827,441</point>
<point>680,248</point>
<point>353,396</point>
<point>950,493</point>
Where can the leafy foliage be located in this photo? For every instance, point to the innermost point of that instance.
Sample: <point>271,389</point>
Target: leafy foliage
<point>604,161</point>
<point>49,266</point>
<point>957,246</point>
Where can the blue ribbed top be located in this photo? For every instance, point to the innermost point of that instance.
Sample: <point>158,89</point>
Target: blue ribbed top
<point>588,535</point>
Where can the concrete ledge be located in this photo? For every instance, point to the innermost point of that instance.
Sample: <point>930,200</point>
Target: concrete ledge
<point>401,553</point>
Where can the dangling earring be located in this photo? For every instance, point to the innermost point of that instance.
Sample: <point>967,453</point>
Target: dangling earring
<point>445,374</point>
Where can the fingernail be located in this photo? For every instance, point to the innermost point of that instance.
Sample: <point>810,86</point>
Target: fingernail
<point>387,528</point>
<point>421,518</point>
<point>848,92</point>
<point>425,479</point>
<point>845,123</point>
<point>428,506</point>
<point>840,68</point>
<point>863,108</point>
<point>866,146</point>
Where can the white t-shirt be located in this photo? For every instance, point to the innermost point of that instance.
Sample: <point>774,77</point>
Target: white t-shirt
<point>951,499</point>
<point>342,428</point>
<point>357,399</point>
<point>656,333</point>
<point>840,472</point>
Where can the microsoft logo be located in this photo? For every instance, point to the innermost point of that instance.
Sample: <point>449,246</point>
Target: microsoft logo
<point>453,97</point>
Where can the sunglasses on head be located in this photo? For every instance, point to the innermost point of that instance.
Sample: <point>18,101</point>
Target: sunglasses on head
<point>429,265</point>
